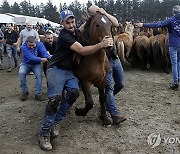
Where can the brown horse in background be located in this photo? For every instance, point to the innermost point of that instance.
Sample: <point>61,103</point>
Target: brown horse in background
<point>160,52</point>
<point>124,43</point>
<point>142,48</point>
<point>93,69</point>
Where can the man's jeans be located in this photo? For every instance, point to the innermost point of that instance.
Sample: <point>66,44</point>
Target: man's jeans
<point>175,63</point>
<point>1,54</point>
<point>12,53</point>
<point>115,82</point>
<point>58,81</point>
<point>24,70</point>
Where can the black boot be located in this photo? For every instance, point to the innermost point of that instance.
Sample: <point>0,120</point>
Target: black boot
<point>24,96</point>
<point>174,87</point>
<point>118,119</point>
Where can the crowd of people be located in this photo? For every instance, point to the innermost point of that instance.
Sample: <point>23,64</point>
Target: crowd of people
<point>13,36</point>
<point>57,59</point>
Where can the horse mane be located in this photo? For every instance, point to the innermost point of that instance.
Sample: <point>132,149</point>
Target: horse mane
<point>86,33</point>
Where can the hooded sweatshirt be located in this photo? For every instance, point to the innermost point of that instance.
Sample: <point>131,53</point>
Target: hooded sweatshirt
<point>33,56</point>
<point>173,25</point>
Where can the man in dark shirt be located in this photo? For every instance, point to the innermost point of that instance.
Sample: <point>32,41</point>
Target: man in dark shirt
<point>11,38</point>
<point>50,46</point>
<point>60,77</point>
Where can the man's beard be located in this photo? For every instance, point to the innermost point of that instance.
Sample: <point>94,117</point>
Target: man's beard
<point>29,29</point>
<point>50,43</point>
<point>72,30</point>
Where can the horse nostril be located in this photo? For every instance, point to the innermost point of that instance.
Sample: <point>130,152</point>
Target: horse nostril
<point>97,26</point>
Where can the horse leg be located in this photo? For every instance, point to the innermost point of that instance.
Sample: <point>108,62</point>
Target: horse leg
<point>148,65</point>
<point>139,53</point>
<point>102,100</point>
<point>165,62</point>
<point>88,100</point>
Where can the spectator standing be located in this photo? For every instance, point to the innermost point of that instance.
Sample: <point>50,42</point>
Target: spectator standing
<point>1,49</point>
<point>11,38</point>
<point>28,31</point>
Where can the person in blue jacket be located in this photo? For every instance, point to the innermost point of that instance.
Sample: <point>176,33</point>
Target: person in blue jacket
<point>33,54</point>
<point>173,25</point>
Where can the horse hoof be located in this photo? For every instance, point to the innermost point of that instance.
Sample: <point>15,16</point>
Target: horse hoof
<point>80,112</point>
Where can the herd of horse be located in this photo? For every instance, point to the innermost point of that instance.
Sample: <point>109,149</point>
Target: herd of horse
<point>134,45</point>
<point>146,47</point>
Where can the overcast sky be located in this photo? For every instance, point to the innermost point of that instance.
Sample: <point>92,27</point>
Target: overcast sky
<point>55,2</point>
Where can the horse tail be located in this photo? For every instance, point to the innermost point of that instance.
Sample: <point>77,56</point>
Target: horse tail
<point>121,51</point>
<point>156,55</point>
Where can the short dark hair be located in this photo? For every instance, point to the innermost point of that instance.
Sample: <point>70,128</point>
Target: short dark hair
<point>48,33</point>
<point>176,9</point>
<point>31,39</point>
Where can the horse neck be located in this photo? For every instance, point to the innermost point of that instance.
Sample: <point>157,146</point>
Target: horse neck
<point>130,34</point>
<point>129,31</point>
<point>150,31</point>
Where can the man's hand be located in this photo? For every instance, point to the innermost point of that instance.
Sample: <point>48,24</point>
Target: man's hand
<point>18,49</point>
<point>14,44</point>
<point>102,11</point>
<point>44,60</point>
<point>19,53</point>
<point>106,42</point>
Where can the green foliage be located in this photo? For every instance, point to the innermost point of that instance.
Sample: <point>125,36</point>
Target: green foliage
<point>5,7</point>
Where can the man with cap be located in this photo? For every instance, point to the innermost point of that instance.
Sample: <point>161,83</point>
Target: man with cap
<point>173,25</point>
<point>60,77</point>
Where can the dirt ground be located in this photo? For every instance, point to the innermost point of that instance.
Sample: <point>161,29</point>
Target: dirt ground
<point>146,101</point>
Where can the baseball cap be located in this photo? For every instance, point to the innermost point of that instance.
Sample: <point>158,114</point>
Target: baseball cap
<point>65,14</point>
<point>176,9</point>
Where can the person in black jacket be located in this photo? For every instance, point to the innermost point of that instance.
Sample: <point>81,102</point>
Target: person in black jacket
<point>50,46</point>
<point>1,49</point>
<point>11,38</point>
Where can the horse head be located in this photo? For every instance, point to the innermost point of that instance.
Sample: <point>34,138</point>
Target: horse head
<point>96,28</point>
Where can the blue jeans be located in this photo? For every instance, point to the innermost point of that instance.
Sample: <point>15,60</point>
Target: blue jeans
<point>58,81</point>
<point>175,63</point>
<point>24,69</point>
<point>115,82</point>
<point>1,54</point>
<point>12,53</point>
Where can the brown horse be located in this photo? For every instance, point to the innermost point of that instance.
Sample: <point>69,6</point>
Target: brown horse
<point>93,69</point>
<point>142,48</point>
<point>124,43</point>
<point>160,52</point>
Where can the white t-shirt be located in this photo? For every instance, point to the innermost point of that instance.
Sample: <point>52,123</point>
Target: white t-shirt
<point>25,33</point>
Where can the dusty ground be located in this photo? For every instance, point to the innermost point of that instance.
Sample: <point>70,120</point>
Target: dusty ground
<point>146,101</point>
